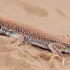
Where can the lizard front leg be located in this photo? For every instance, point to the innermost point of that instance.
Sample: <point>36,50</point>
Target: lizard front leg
<point>20,39</point>
<point>57,49</point>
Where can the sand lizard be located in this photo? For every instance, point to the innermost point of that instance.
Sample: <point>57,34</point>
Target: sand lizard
<point>35,36</point>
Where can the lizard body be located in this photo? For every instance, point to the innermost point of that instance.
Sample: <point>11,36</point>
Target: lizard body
<point>35,36</point>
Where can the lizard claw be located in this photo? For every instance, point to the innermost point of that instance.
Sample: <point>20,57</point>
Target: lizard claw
<point>15,45</point>
<point>63,59</point>
<point>66,36</point>
<point>52,59</point>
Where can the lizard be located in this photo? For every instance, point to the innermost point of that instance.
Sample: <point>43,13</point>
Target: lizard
<point>35,36</point>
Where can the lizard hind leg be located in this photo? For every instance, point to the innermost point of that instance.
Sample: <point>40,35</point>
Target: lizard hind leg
<point>56,50</point>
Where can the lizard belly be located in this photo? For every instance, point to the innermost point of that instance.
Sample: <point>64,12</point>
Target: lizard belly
<point>36,42</point>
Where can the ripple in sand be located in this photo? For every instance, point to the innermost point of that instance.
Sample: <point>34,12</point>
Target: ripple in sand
<point>32,9</point>
<point>61,12</point>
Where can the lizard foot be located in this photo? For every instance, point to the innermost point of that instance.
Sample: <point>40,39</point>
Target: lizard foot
<point>20,39</point>
<point>63,59</point>
<point>57,49</point>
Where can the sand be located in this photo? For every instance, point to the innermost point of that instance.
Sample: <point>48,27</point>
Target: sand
<point>48,15</point>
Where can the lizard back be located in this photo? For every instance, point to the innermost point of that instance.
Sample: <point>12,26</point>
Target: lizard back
<point>32,34</point>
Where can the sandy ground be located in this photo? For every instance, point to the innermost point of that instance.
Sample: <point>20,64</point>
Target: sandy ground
<point>48,15</point>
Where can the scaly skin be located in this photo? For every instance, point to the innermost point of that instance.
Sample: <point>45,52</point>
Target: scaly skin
<point>35,36</point>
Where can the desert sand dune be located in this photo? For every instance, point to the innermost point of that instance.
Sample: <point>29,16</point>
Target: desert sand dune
<point>48,15</point>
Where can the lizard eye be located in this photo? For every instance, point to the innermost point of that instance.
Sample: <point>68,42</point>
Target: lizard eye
<point>0,27</point>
